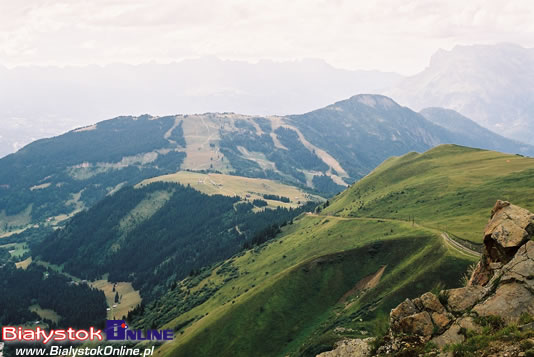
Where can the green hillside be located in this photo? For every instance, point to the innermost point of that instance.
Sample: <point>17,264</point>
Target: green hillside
<point>157,233</point>
<point>49,180</point>
<point>338,272</point>
<point>286,296</point>
<point>450,188</point>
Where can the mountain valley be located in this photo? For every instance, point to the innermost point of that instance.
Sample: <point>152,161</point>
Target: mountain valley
<point>305,228</point>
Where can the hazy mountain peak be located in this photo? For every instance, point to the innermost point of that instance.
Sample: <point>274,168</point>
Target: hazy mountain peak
<point>473,134</point>
<point>375,101</point>
<point>479,52</point>
<point>491,84</point>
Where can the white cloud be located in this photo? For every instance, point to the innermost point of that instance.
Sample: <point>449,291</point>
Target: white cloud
<point>398,35</point>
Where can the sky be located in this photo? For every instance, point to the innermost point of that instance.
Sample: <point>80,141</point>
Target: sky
<point>388,35</point>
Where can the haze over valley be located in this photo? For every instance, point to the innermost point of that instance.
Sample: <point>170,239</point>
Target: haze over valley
<point>65,98</point>
<point>490,92</point>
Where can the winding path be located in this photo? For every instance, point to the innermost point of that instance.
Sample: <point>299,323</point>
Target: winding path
<point>459,246</point>
<point>446,239</point>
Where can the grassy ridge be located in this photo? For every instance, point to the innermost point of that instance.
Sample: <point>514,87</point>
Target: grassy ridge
<point>281,296</point>
<point>287,308</point>
<point>273,307</point>
<point>285,314</point>
<point>450,188</point>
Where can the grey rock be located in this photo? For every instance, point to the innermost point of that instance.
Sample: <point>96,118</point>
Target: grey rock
<point>509,302</point>
<point>450,336</point>
<point>431,303</point>
<point>416,324</point>
<point>350,348</point>
<point>405,308</point>
<point>462,299</point>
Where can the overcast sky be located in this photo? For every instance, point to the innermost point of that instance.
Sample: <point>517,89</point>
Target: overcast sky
<point>391,35</point>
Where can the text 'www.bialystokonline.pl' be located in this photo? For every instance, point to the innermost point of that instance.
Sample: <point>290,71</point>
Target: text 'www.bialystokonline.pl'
<point>85,351</point>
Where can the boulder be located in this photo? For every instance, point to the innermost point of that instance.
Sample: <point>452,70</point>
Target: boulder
<point>469,323</point>
<point>431,302</point>
<point>514,287</point>
<point>451,336</point>
<point>405,308</point>
<point>462,299</point>
<point>509,228</point>
<point>418,304</point>
<point>481,274</point>
<point>521,267</point>
<point>509,302</point>
<point>502,284</point>
<point>416,324</point>
<point>440,320</point>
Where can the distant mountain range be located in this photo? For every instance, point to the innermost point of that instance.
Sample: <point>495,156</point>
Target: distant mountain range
<point>324,150</point>
<point>473,134</point>
<point>41,102</point>
<point>490,84</point>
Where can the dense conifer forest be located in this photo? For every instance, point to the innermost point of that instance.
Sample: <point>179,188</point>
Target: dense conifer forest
<point>190,231</point>
<point>50,290</point>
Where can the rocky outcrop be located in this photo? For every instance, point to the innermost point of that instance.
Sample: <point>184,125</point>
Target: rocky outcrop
<point>420,316</point>
<point>502,284</point>
<point>509,228</point>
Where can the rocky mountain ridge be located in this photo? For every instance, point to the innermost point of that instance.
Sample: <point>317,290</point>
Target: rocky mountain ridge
<point>477,135</point>
<point>490,84</point>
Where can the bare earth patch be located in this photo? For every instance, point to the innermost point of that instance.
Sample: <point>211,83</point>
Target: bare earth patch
<point>40,187</point>
<point>365,284</point>
<point>86,128</point>
<point>24,264</point>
